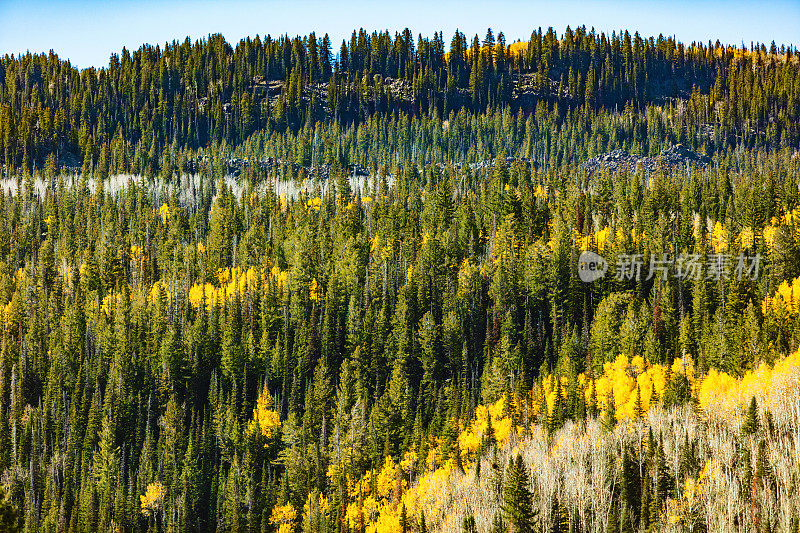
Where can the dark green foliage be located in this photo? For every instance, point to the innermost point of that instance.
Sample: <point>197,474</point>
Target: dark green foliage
<point>10,517</point>
<point>630,493</point>
<point>518,498</point>
<point>498,524</point>
<point>750,424</point>
<point>468,525</point>
<point>382,309</point>
<point>610,413</point>
<point>405,525</point>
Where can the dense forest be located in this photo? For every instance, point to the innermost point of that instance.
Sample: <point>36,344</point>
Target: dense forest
<point>278,288</point>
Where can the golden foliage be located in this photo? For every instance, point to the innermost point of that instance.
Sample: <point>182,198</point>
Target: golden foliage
<point>769,235</point>
<point>785,300</point>
<point>163,211</point>
<point>283,516</point>
<point>719,238</point>
<point>233,281</point>
<point>265,421</point>
<point>313,291</point>
<point>722,395</point>
<point>152,499</point>
<point>314,204</point>
<point>623,377</point>
<point>381,248</point>
<point>746,238</point>
<point>718,393</point>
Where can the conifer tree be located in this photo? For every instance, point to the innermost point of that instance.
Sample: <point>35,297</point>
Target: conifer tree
<point>10,518</point>
<point>518,498</point>
<point>468,524</point>
<point>609,415</point>
<point>750,424</point>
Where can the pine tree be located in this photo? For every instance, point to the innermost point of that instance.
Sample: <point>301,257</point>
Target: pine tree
<point>468,525</point>
<point>10,517</point>
<point>404,523</point>
<point>610,416</point>
<point>750,424</point>
<point>631,492</point>
<point>638,409</point>
<point>612,525</point>
<point>518,498</point>
<point>498,525</point>
<point>232,351</point>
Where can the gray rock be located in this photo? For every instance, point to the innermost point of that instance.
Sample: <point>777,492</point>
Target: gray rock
<point>674,158</point>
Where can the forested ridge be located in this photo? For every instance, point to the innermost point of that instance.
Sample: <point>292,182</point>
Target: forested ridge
<point>147,108</point>
<point>185,349</point>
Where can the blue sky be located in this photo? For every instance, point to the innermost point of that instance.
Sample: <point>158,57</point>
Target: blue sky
<point>88,32</point>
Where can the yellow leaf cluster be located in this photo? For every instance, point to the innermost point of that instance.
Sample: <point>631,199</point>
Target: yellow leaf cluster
<point>8,309</point>
<point>597,240</point>
<point>152,499</point>
<point>283,516</point>
<point>381,248</point>
<point>471,438</point>
<point>379,510</point>
<point>321,503</point>
<point>623,376</point>
<point>719,238</point>
<point>725,396</point>
<point>621,234</point>
<point>204,292</point>
<point>769,235</point>
<point>265,421</point>
<point>786,299</point>
<point>314,204</point>
<point>163,211</point>
<point>791,218</point>
<point>686,504</point>
<point>746,238</point>
<point>233,281</point>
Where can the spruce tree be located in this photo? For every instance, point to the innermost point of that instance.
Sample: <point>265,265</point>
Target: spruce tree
<point>518,498</point>
<point>610,414</point>
<point>404,524</point>
<point>468,525</point>
<point>10,517</point>
<point>750,424</point>
<point>631,492</point>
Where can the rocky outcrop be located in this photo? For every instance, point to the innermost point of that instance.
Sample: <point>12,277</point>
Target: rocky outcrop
<point>675,158</point>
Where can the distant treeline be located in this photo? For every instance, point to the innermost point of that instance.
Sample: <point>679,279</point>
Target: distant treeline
<point>147,106</point>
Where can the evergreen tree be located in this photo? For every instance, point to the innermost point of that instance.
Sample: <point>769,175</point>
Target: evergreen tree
<point>518,498</point>
<point>750,424</point>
